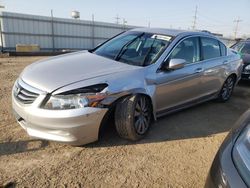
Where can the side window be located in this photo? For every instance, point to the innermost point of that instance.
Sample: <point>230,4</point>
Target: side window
<point>223,49</point>
<point>210,48</point>
<point>188,49</point>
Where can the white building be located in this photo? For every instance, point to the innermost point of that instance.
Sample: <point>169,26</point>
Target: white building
<point>54,33</point>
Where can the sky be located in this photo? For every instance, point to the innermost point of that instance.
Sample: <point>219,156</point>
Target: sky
<point>214,15</point>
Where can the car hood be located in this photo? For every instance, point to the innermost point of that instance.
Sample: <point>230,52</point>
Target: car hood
<point>246,58</point>
<point>55,72</point>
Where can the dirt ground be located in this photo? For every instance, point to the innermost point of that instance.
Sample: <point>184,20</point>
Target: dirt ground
<point>177,152</point>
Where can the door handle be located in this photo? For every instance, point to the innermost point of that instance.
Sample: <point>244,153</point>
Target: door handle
<point>199,70</point>
<point>225,61</point>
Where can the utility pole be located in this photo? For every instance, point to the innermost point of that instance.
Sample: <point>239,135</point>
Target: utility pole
<point>93,31</point>
<point>195,18</point>
<point>149,24</point>
<point>1,33</point>
<point>237,26</point>
<point>124,23</point>
<point>52,30</point>
<point>117,18</point>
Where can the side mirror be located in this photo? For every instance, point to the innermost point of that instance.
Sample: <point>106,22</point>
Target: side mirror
<point>174,64</point>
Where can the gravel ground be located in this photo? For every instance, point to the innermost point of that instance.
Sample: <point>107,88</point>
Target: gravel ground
<point>177,152</point>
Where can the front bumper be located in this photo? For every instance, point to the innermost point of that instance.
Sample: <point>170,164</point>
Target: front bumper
<point>223,173</point>
<point>245,73</point>
<point>245,76</point>
<point>74,126</point>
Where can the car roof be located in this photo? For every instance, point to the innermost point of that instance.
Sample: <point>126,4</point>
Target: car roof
<point>171,32</point>
<point>243,40</point>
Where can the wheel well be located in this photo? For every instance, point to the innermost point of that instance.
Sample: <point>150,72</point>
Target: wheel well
<point>147,96</point>
<point>233,75</point>
<point>149,99</point>
<point>109,116</point>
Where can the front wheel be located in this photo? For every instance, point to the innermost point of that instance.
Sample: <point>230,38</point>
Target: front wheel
<point>133,117</point>
<point>227,89</point>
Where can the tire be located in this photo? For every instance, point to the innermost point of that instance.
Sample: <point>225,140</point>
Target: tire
<point>133,116</point>
<point>227,89</point>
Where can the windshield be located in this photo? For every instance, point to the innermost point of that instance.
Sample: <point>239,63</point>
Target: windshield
<point>242,47</point>
<point>135,48</point>
<point>246,48</point>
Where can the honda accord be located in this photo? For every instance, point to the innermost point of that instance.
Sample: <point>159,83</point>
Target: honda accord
<point>140,75</point>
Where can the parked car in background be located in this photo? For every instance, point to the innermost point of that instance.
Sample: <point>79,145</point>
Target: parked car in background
<point>243,47</point>
<point>231,165</point>
<point>141,74</point>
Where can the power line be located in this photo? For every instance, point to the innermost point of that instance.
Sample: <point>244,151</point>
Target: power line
<point>211,18</point>
<point>208,23</point>
<point>195,18</point>
<point>237,26</point>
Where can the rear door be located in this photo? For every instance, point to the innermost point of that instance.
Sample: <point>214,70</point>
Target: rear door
<point>214,60</point>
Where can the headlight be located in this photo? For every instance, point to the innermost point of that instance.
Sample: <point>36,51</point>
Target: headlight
<point>241,154</point>
<point>247,67</point>
<point>64,102</point>
<point>89,96</point>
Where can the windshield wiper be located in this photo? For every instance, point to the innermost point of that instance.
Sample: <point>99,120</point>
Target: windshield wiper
<point>122,51</point>
<point>149,51</point>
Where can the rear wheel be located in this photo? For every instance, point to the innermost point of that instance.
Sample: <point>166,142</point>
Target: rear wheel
<point>227,89</point>
<point>133,117</point>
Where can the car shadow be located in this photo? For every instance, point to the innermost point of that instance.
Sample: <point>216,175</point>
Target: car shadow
<point>203,120</point>
<point>8,148</point>
<point>244,83</point>
<point>10,184</point>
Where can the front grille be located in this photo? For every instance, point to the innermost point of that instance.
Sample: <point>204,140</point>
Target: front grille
<point>24,95</point>
<point>246,71</point>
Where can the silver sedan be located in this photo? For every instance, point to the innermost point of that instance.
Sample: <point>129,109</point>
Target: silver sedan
<point>138,75</point>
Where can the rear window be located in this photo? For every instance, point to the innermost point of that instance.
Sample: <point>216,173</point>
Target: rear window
<point>210,48</point>
<point>223,49</point>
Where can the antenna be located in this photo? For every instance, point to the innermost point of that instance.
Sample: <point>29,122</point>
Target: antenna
<point>237,26</point>
<point>195,18</point>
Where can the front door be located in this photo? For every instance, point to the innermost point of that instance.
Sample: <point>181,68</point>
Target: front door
<point>177,87</point>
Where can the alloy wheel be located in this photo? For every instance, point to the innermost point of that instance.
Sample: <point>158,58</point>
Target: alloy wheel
<point>142,115</point>
<point>227,88</point>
